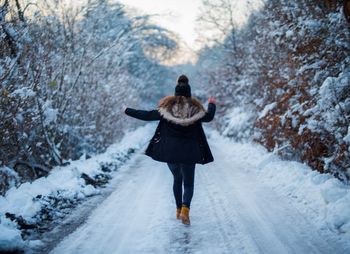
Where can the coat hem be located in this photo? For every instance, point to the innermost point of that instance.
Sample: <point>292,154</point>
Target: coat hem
<point>160,160</point>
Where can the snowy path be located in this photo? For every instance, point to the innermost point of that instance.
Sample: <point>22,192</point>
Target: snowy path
<point>232,212</point>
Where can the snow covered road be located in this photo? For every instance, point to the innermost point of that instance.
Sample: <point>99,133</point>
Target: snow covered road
<point>233,211</point>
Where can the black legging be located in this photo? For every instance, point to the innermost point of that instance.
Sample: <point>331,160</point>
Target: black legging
<point>183,173</point>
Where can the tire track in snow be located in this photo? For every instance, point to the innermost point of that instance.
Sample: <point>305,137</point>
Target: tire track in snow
<point>232,230</point>
<point>223,220</point>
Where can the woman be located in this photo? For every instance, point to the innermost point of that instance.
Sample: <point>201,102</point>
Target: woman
<point>179,139</point>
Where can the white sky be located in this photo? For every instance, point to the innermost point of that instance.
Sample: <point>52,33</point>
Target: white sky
<point>177,15</point>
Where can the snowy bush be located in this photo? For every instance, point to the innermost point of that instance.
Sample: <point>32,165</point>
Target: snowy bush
<point>9,178</point>
<point>290,64</point>
<point>66,70</point>
<point>238,124</point>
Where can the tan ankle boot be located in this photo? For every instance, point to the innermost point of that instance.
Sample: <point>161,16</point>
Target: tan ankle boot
<point>178,212</point>
<point>185,215</point>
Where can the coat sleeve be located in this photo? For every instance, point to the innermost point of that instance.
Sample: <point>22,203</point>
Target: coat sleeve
<point>152,115</point>
<point>210,113</point>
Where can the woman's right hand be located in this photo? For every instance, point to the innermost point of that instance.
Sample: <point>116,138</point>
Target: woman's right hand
<point>212,100</point>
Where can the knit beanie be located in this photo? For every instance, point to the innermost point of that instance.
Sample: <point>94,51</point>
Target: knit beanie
<point>182,88</point>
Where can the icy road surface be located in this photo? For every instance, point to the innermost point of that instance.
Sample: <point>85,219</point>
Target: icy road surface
<point>232,212</point>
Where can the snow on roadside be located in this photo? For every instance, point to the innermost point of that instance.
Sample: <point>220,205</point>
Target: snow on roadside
<point>322,198</point>
<point>63,183</point>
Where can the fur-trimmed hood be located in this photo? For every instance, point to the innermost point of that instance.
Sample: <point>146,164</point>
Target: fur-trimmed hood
<point>181,110</point>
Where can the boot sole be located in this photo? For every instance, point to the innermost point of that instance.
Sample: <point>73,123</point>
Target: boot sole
<point>184,221</point>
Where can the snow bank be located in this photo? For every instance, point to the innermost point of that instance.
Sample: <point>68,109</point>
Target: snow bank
<point>325,199</point>
<point>322,198</point>
<point>66,182</point>
<point>10,237</point>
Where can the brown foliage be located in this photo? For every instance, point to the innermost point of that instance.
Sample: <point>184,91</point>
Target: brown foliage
<point>284,126</point>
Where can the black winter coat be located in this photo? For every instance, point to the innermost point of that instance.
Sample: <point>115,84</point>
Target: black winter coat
<point>179,137</point>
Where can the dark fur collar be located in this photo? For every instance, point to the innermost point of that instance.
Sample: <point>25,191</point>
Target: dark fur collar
<point>181,110</point>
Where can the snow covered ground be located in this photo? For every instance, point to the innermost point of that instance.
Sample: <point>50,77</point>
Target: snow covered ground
<point>246,201</point>
<point>52,197</point>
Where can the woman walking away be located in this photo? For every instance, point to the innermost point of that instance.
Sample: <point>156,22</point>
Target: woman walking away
<point>179,139</point>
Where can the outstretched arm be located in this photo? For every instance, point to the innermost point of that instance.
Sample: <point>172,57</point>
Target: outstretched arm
<point>211,111</point>
<point>152,115</point>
